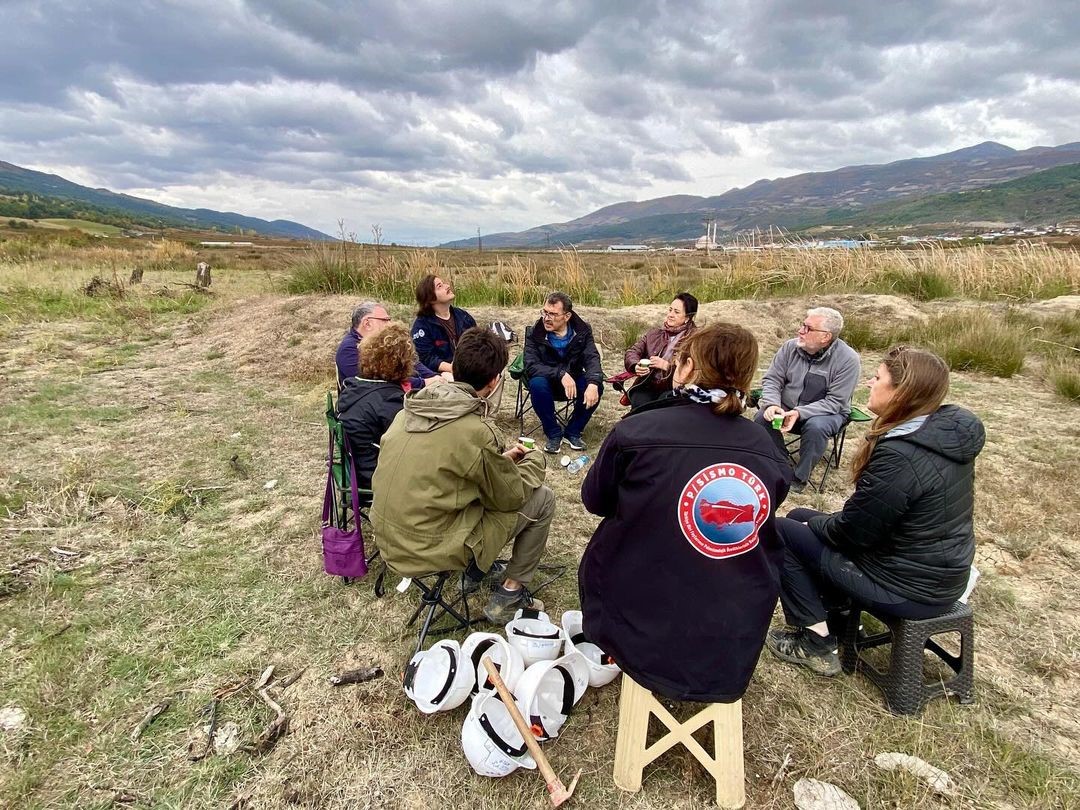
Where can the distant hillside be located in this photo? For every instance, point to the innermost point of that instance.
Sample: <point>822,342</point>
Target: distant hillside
<point>798,201</point>
<point>1049,196</point>
<point>32,194</point>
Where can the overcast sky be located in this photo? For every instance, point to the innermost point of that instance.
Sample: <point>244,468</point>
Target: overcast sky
<point>437,117</point>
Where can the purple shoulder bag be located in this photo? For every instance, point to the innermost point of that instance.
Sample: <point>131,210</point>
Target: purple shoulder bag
<point>343,551</point>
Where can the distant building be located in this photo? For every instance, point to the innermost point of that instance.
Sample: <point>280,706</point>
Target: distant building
<point>227,244</point>
<point>627,248</point>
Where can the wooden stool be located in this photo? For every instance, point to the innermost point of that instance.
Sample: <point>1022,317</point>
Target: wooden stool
<point>632,753</point>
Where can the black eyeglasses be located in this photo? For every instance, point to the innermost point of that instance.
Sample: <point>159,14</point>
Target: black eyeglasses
<point>550,316</point>
<point>805,327</point>
<point>375,318</point>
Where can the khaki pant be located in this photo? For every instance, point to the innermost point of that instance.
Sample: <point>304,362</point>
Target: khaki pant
<point>530,534</point>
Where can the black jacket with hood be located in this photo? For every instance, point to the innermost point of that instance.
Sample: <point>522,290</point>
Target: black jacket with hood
<point>366,408</point>
<point>908,525</point>
<point>581,357</point>
<point>679,582</point>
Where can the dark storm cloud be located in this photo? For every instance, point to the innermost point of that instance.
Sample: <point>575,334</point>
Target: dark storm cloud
<point>518,109</point>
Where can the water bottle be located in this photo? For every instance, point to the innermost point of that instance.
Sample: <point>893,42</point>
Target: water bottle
<point>577,464</point>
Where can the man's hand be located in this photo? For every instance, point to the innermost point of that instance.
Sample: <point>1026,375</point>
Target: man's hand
<point>592,395</point>
<point>790,418</point>
<point>569,387</point>
<point>772,412</point>
<point>660,363</point>
<point>434,380</point>
<point>516,453</point>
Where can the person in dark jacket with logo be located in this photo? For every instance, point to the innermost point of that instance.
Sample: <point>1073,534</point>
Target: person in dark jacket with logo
<point>438,324</point>
<point>367,405</point>
<point>562,363</point>
<point>903,544</point>
<point>656,350</point>
<point>679,582</point>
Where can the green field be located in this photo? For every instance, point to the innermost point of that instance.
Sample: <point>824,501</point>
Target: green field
<point>96,228</point>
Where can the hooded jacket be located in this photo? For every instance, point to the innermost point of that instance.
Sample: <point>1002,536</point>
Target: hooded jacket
<point>679,582</point>
<point>366,408</point>
<point>908,525</point>
<point>444,493</point>
<point>429,336</point>
<point>580,358</point>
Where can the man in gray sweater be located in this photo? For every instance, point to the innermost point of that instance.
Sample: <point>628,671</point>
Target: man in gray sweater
<point>809,383</point>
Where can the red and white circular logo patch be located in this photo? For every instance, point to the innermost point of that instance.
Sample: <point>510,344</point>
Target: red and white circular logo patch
<point>721,509</point>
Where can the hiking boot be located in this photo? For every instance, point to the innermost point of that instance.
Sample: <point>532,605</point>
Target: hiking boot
<point>575,442</point>
<point>493,577</point>
<point>552,445</point>
<point>503,604</point>
<point>801,646</point>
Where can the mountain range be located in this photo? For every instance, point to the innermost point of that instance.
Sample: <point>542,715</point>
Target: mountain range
<point>866,195</point>
<point>25,192</point>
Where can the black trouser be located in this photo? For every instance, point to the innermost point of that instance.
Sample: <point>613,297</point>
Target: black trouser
<point>817,579</point>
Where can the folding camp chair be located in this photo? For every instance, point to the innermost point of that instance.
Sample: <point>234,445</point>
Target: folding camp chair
<point>341,515</point>
<point>523,402</point>
<point>835,452</point>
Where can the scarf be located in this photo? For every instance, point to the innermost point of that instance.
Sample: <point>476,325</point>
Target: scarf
<point>708,396</point>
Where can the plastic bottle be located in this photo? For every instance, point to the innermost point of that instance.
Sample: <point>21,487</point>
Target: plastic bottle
<point>577,464</point>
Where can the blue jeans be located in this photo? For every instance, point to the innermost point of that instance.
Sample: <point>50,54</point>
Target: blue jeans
<point>544,393</point>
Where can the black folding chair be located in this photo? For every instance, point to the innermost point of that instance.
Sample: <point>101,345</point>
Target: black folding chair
<point>341,515</point>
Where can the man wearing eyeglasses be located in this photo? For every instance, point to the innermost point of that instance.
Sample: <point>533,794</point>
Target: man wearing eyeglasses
<point>368,320</point>
<point>809,383</point>
<point>562,363</point>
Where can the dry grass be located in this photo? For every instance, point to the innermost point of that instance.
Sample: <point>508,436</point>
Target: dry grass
<point>149,462</point>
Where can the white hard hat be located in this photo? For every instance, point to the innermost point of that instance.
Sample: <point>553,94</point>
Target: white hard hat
<point>505,658</point>
<point>440,678</point>
<point>548,691</point>
<point>533,635</point>
<point>492,743</point>
<point>602,669</point>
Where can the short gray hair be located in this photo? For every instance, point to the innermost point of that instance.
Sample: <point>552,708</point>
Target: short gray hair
<point>362,311</point>
<point>831,319</point>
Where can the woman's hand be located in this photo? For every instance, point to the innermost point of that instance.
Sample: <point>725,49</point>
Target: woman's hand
<point>659,363</point>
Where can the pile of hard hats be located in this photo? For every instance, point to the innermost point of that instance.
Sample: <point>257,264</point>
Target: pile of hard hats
<point>547,668</point>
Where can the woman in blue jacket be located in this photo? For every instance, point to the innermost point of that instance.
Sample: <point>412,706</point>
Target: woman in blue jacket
<point>679,582</point>
<point>438,324</point>
<point>903,543</point>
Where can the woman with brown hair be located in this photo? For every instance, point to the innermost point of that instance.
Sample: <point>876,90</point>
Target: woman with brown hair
<point>438,324</point>
<point>903,543</point>
<point>679,581</point>
<point>651,359</point>
<point>367,405</point>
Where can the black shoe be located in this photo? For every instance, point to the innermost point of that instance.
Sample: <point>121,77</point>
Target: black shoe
<point>503,604</point>
<point>494,577</point>
<point>552,445</point>
<point>806,648</point>
<point>575,442</point>
<point>797,485</point>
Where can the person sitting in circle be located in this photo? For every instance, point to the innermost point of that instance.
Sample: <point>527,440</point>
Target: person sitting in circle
<point>367,405</point>
<point>438,324</point>
<point>651,358</point>
<point>903,544</point>
<point>679,582</point>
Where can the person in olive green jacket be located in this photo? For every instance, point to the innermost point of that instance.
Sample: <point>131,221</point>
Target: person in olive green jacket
<point>448,497</point>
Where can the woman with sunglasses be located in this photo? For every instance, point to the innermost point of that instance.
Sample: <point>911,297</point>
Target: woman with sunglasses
<point>680,580</point>
<point>903,544</point>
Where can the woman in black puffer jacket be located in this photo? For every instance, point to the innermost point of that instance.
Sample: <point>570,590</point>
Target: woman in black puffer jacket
<point>903,543</point>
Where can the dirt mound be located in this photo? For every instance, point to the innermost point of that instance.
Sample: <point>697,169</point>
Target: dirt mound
<point>1062,305</point>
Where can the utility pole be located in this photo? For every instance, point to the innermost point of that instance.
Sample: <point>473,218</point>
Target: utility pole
<point>479,241</point>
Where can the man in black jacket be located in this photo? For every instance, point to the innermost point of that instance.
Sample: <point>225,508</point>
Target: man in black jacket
<point>562,363</point>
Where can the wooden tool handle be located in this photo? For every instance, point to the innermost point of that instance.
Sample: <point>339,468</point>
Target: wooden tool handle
<point>519,721</point>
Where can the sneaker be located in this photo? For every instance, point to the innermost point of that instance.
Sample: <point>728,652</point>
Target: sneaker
<point>552,445</point>
<point>797,485</point>
<point>800,646</point>
<point>575,442</point>
<point>503,604</point>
